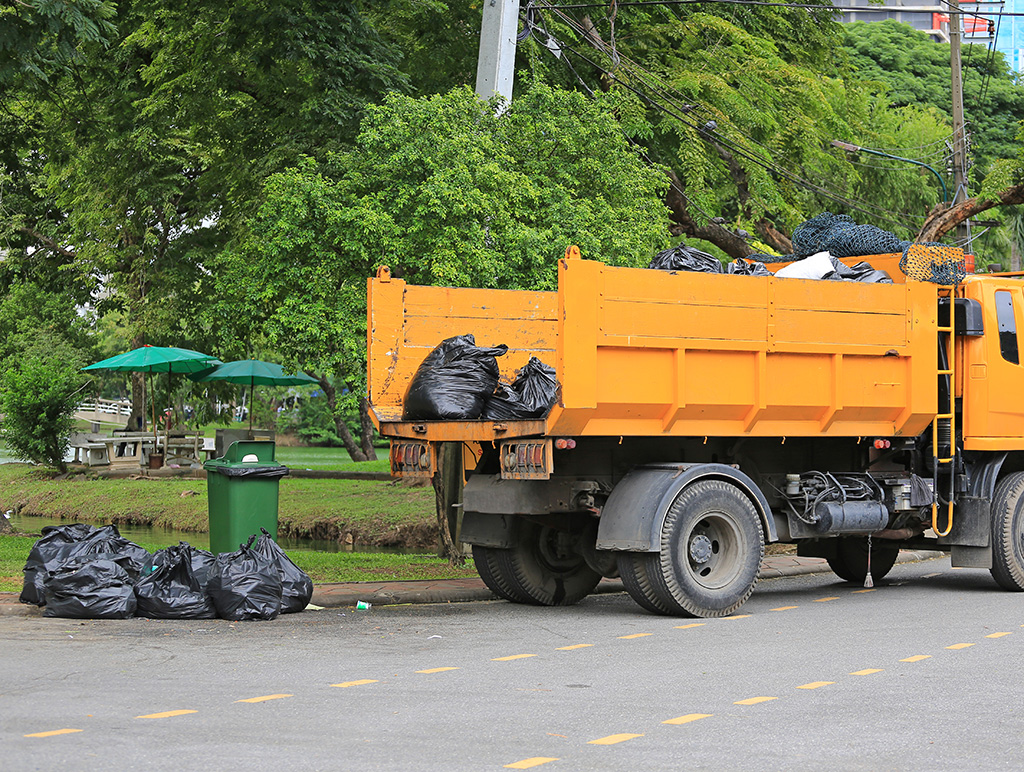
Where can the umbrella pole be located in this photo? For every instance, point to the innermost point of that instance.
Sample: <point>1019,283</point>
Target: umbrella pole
<point>252,382</point>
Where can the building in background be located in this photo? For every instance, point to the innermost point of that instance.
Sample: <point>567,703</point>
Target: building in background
<point>1006,33</point>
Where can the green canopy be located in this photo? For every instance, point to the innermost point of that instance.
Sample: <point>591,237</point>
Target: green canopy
<point>252,372</point>
<point>156,359</point>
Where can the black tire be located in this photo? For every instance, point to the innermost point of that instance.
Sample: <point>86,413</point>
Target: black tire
<point>850,561</point>
<point>636,569</point>
<point>486,560</point>
<point>1008,533</point>
<point>546,566</point>
<point>712,544</point>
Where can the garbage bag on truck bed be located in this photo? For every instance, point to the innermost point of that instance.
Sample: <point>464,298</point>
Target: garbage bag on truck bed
<point>60,543</point>
<point>171,590</point>
<point>90,587</point>
<point>245,585</point>
<point>530,395</point>
<point>296,586</point>
<point>684,258</point>
<point>453,382</point>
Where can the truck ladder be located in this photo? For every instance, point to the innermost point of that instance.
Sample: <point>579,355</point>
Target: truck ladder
<point>949,417</point>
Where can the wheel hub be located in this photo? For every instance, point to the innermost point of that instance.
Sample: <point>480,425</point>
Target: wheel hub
<point>700,549</point>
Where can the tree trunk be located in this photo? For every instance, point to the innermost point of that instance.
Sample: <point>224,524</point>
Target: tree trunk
<point>366,430</point>
<point>684,224</point>
<point>943,218</point>
<point>1014,255</point>
<point>340,427</point>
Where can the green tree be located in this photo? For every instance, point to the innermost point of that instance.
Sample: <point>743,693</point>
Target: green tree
<point>742,106</point>
<point>39,390</point>
<point>445,191</point>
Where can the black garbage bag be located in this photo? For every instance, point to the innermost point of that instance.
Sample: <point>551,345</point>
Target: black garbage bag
<point>296,586</point>
<point>202,560</point>
<point>46,554</point>
<point>530,395</point>
<point>748,267</point>
<point>171,591</point>
<point>245,585</point>
<point>684,258</point>
<point>454,381</point>
<point>61,543</point>
<point>862,272</point>
<point>90,587</point>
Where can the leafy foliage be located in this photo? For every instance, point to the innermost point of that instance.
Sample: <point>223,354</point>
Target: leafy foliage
<point>38,395</point>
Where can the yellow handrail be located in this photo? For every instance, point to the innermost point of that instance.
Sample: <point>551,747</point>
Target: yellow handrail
<point>950,371</point>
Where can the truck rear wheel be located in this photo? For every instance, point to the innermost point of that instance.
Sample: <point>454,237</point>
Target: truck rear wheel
<point>636,570</point>
<point>546,566</point>
<point>1008,532</point>
<point>850,560</point>
<point>488,565</point>
<point>712,543</point>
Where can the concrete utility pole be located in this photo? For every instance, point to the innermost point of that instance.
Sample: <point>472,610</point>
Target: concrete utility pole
<point>963,231</point>
<point>496,62</point>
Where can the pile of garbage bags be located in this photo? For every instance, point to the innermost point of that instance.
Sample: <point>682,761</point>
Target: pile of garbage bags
<point>458,381</point>
<point>83,572</point>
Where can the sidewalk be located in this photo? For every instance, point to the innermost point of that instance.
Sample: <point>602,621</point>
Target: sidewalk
<point>462,590</point>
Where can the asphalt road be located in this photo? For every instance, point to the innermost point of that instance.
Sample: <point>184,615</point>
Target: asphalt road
<point>925,672</point>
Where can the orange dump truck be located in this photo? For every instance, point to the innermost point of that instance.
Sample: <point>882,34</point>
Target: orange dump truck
<point>701,416</point>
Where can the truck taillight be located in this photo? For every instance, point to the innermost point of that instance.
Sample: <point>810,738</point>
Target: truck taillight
<point>526,460</point>
<point>412,459</point>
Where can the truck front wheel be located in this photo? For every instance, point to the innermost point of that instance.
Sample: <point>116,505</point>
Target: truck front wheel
<point>712,543</point>
<point>1008,532</point>
<point>546,566</point>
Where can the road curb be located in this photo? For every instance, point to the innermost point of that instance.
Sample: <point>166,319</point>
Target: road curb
<point>473,589</point>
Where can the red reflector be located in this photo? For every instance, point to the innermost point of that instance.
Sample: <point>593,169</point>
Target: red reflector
<point>570,444</point>
<point>561,444</point>
<point>969,263</point>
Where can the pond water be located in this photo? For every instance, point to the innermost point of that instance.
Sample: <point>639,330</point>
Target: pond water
<point>168,537</point>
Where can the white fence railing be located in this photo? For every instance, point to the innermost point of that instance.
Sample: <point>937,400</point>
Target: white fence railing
<point>120,407</point>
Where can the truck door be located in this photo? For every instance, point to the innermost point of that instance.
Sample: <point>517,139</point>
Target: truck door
<point>993,377</point>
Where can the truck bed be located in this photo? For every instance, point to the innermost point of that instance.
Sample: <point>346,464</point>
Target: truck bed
<point>653,353</point>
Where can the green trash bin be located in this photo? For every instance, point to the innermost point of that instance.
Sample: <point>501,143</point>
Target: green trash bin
<point>242,493</point>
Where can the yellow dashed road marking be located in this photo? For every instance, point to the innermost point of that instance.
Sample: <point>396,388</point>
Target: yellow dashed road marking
<point>692,624</point>
<point>855,592</point>
<point>868,671</point>
<point>268,697</point>
<point>816,684</point>
<point>784,608</point>
<point>514,656</point>
<point>54,732</point>
<point>536,761</point>
<point>356,683</point>
<point>168,714</point>
<point>929,576</point>
<point>737,616</point>
<point>960,646</point>
<point>754,700</point>
<point>575,646</point>
<point>613,739</point>
<point>634,635</point>
<point>997,635</point>
<point>436,670</point>
<point>688,718</point>
<point>825,600</point>
<point>917,658</point>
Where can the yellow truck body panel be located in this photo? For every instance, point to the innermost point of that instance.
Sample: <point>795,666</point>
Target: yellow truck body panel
<point>653,353</point>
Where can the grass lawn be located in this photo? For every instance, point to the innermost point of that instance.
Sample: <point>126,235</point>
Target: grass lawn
<point>383,513</point>
<point>321,566</point>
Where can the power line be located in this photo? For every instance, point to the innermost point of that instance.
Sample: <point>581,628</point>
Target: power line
<point>807,6</point>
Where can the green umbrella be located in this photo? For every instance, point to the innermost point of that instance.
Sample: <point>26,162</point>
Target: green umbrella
<point>252,372</point>
<point>156,359</point>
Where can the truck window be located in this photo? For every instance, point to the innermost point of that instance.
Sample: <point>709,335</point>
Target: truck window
<point>1007,327</point>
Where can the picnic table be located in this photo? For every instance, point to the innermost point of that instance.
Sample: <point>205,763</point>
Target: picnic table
<point>133,449</point>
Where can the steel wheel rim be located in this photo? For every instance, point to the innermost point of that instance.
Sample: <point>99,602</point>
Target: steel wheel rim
<point>711,550</point>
